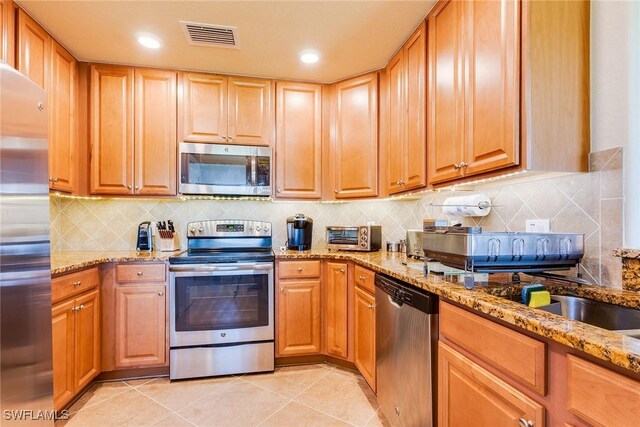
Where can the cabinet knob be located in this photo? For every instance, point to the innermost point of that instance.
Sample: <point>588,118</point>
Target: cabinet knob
<point>370,306</point>
<point>229,138</point>
<point>524,423</point>
<point>78,283</point>
<point>464,165</point>
<point>342,270</point>
<point>299,269</point>
<point>160,293</point>
<point>128,187</point>
<point>282,290</point>
<point>336,191</point>
<point>279,190</point>
<point>139,273</point>
<point>361,277</point>
<point>137,188</point>
<point>456,166</point>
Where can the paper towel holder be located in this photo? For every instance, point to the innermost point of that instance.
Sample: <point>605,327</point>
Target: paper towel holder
<point>471,206</point>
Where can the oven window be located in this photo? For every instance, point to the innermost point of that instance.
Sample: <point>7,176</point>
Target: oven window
<point>213,169</point>
<point>206,303</point>
<point>344,237</point>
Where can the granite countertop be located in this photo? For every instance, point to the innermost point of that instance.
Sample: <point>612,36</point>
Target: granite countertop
<point>626,253</point>
<point>606,345</point>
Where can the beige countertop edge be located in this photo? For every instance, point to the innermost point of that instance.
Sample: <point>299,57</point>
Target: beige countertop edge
<point>626,253</point>
<point>605,345</point>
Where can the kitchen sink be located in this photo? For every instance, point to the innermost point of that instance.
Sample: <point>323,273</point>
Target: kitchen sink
<point>616,318</point>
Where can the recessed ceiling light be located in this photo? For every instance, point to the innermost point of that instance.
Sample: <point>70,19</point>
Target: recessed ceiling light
<point>150,42</point>
<point>309,56</point>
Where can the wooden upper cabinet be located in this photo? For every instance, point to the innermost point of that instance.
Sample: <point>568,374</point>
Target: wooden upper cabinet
<point>298,136</point>
<point>204,108</point>
<point>249,111</point>
<point>395,154</point>
<point>354,148</point>
<point>34,45</point>
<point>446,84</point>
<point>492,92</point>
<point>7,32</point>
<point>415,157</point>
<point>62,120</point>
<point>155,132</point>
<point>111,129</point>
<point>469,395</point>
<point>336,309</point>
<point>406,152</point>
<point>226,110</point>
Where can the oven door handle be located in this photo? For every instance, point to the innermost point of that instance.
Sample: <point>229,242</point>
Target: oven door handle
<point>204,267</point>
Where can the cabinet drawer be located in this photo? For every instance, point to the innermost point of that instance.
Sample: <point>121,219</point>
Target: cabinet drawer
<point>600,396</point>
<point>298,269</point>
<point>515,354</point>
<point>73,284</point>
<point>141,273</point>
<point>365,279</point>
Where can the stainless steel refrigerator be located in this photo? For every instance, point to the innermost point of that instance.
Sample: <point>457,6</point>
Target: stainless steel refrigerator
<point>26,381</point>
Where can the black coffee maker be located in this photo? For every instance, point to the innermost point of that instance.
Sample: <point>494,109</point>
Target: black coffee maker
<point>299,232</point>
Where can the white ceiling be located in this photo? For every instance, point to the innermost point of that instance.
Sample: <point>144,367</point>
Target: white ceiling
<point>352,36</point>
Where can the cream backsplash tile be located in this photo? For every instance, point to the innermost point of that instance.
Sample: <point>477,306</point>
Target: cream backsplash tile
<point>582,203</point>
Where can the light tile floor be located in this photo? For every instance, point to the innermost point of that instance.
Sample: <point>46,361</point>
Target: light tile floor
<point>310,395</point>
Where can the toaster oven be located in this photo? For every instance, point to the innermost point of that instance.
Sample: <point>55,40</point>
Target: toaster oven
<point>364,238</point>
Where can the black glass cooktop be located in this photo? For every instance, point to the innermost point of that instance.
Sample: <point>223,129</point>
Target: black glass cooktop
<point>218,257</point>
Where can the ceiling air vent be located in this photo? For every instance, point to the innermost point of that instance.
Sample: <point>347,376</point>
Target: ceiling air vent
<point>210,35</point>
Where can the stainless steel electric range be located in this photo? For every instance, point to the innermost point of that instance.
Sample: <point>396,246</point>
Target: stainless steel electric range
<point>222,300</point>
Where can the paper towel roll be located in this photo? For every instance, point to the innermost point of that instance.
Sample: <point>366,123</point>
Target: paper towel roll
<point>471,205</point>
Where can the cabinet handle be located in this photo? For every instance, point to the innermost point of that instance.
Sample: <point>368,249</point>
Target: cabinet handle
<point>456,166</point>
<point>524,423</point>
<point>160,293</point>
<point>464,165</point>
<point>137,188</point>
<point>279,190</point>
<point>74,308</point>
<point>282,290</point>
<point>139,273</point>
<point>78,283</point>
<point>342,270</point>
<point>361,277</point>
<point>129,187</point>
<point>370,306</point>
<point>299,269</point>
<point>336,191</point>
<point>229,138</point>
<point>224,137</point>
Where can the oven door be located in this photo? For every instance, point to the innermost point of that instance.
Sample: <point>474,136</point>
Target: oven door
<point>221,303</point>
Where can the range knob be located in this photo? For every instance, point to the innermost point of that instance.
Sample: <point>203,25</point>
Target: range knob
<point>266,229</point>
<point>258,228</point>
<point>251,228</point>
<point>363,244</point>
<point>192,230</point>
<point>364,231</point>
<point>201,229</point>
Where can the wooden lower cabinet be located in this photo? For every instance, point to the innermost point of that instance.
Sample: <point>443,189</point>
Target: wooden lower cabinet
<point>365,335</point>
<point>336,309</point>
<point>76,345</point>
<point>140,325</point>
<point>468,395</point>
<point>298,317</point>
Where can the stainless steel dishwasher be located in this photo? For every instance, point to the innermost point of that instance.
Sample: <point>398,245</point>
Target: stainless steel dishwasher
<point>406,342</point>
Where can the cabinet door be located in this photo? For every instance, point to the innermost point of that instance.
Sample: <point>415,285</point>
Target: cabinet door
<point>492,94</point>
<point>7,32</point>
<point>87,339</point>
<point>62,330</point>
<point>415,140</point>
<point>365,335</point>
<point>249,111</point>
<point>204,108</point>
<point>355,143</point>
<point>62,120</point>
<point>155,132</point>
<point>298,136</point>
<point>396,124</point>
<point>446,84</point>
<point>336,309</point>
<point>140,330</point>
<point>470,395</point>
<point>34,45</point>
<point>111,161</point>
<point>298,317</point>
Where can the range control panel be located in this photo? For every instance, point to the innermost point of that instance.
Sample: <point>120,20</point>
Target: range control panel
<point>228,228</point>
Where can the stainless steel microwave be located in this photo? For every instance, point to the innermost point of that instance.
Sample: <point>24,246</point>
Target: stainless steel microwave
<point>215,169</point>
<point>365,238</point>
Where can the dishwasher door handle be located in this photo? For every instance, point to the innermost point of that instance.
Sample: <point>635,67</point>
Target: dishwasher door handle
<point>393,303</point>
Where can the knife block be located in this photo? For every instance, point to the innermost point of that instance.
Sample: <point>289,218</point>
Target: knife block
<point>168,244</point>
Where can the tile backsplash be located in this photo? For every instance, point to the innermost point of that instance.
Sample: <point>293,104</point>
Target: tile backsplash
<point>589,203</point>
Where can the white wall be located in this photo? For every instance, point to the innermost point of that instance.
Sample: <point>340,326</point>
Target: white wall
<point>615,96</point>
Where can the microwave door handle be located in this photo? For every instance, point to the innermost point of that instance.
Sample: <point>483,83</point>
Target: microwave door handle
<point>254,171</point>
